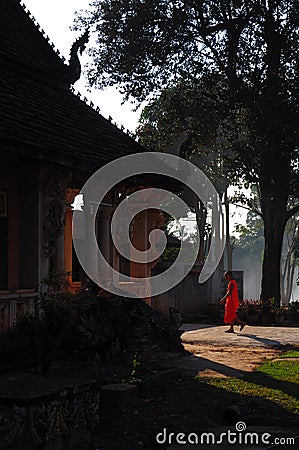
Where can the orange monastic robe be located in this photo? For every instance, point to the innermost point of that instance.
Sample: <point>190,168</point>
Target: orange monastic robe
<point>232,302</point>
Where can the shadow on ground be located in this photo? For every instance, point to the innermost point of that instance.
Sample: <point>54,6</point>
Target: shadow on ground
<point>186,405</point>
<point>265,341</point>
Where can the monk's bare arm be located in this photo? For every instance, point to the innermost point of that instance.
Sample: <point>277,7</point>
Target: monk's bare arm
<point>229,292</point>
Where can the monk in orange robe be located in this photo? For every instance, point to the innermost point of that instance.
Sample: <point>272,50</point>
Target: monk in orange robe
<point>231,300</point>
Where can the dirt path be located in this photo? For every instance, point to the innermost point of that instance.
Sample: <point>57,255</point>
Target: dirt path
<point>232,361</point>
<point>216,353</point>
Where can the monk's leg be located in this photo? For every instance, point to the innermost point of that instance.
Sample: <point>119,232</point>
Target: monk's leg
<point>240,322</point>
<point>231,328</point>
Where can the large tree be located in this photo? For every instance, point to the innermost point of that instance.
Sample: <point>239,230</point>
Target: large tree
<point>144,46</point>
<point>201,110</point>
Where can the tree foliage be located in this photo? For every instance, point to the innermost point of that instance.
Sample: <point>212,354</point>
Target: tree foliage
<point>250,237</point>
<point>219,134</point>
<point>147,45</point>
<point>231,64</point>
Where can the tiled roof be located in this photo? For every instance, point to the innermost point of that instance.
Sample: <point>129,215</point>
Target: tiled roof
<point>22,43</point>
<point>57,122</point>
<point>53,122</point>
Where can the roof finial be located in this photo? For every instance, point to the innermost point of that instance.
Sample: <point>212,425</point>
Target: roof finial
<point>74,64</point>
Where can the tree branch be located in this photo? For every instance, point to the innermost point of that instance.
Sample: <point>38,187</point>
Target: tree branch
<point>292,211</point>
<point>256,211</point>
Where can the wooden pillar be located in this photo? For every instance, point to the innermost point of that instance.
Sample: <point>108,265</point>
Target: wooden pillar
<point>43,258</point>
<point>143,224</point>
<point>105,240</point>
<point>53,207</point>
<point>13,235</point>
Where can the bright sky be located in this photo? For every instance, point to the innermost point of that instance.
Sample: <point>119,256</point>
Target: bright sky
<point>56,17</point>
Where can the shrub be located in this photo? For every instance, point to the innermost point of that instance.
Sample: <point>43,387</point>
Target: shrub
<point>46,328</point>
<point>259,312</point>
<point>250,311</point>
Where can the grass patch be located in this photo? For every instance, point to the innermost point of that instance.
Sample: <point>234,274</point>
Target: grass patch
<point>281,370</point>
<point>274,381</point>
<point>252,390</point>
<point>291,354</point>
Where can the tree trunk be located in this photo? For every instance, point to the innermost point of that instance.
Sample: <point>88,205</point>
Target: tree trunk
<point>274,188</point>
<point>228,244</point>
<point>274,226</point>
<point>201,219</point>
<point>288,270</point>
<point>290,281</point>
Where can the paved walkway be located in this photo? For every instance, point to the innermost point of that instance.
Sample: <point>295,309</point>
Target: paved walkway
<point>214,353</point>
<point>250,336</point>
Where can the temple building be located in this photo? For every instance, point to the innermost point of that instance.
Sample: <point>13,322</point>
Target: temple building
<point>51,142</point>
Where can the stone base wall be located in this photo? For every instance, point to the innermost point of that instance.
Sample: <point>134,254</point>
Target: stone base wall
<point>12,306</point>
<point>62,421</point>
